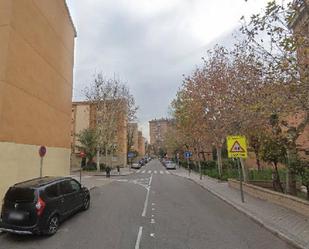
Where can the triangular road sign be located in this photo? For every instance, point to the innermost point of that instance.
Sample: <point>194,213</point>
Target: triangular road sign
<point>236,147</point>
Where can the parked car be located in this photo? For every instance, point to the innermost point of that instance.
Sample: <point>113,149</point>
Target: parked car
<point>142,162</point>
<point>136,166</point>
<point>170,165</point>
<point>39,205</point>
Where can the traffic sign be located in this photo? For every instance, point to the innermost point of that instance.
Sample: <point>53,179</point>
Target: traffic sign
<point>187,154</point>
<point>237,147</point>
<point>42,151</point>
<point>131,154</point>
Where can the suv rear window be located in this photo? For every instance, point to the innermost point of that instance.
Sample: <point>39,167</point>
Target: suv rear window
<point>20,195</point>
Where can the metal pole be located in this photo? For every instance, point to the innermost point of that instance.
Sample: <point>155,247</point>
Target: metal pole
<point>240,181</point>
<point>188,166</point>
<point>41,167</point>
<point>80,176</point>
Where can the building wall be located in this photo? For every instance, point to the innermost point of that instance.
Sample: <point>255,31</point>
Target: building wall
<point>141,144</point>
<point>301,28</point>
<point>133,127</point>
<point>36,74</point>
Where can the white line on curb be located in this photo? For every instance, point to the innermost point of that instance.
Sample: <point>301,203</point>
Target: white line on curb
<point>139,236</point>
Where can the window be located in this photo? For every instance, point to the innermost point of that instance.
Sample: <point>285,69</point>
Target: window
<point>75,185</point>
<point>52,191</point>
<point>66,187</point>
<point>20,195</point>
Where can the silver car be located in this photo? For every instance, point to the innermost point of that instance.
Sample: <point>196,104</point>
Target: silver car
<point>170,165</point>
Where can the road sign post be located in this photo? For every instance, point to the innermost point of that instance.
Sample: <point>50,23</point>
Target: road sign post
<point>237,148</point>
<point>42,153</point>
<point>187,155</point>
<point>130,156</point>
<point>82,155</point>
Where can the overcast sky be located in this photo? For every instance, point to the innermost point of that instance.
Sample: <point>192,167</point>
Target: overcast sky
<point>150,44</point>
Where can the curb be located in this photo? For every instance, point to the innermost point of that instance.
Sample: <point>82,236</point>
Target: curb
<point>252,217</point>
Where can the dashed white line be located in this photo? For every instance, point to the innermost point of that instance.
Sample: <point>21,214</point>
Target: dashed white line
<point>152,221</point>
<point>138,171</point>
<point>143,171</point>
<point>139,237</point>
<point>161,172</point>
<point>155,172</point>
<point>147,197</point>
<point>149,172</point>
<point>166,172</point>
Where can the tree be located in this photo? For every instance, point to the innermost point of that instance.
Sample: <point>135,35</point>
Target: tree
<point>88,139</point>
<point>114,107</point>
<point>284,49</point>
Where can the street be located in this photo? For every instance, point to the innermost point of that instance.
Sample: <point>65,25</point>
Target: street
<point>152,208</point>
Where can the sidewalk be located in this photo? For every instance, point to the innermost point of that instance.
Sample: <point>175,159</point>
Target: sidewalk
<point>286,223</point>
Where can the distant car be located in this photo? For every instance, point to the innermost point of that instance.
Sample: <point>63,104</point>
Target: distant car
<point>136,166</point>
<point>170,165</point>
<point>39,205</point>
<point>142,162</point>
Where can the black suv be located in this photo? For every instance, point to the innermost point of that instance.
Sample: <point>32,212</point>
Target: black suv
<point>38,206</point>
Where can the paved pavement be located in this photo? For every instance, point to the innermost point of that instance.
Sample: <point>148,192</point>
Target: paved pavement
<point>153,209</point>
<point>288,224</point>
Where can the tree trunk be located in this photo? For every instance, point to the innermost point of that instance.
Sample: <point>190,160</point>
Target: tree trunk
<point>277,180</point>
<point>98,159</point>
<point>199,165</point>
<point>219,161</point>
<point>257,156</point>
<point>290,178</point>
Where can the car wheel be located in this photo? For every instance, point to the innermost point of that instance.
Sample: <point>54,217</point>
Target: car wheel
<point>53,225</point>
<point>86,203</point>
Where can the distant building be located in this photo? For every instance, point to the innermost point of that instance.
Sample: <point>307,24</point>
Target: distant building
<point>36,77</point>
<point>141,144</point>
<point>83,117</point>
<point>133,133</point>
<point>157,131</point>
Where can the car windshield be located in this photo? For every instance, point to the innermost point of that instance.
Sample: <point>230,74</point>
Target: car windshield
<point>20,195</point>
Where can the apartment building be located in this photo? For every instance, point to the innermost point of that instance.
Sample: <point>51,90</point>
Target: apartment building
<point>83,117</point>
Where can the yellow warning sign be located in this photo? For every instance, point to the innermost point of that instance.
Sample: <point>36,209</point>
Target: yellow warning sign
<point>236,146</point>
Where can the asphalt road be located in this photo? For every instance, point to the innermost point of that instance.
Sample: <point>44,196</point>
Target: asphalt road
<point>153,209</point>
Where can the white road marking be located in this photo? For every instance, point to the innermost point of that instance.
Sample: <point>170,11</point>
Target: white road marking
<point>152,235</point>
<point>166,172</point>
<point>152,215</point>
<point>122,180</point>
<point>147,197</point>
<point>138,171</point>
<point>155,172</point>
<point>152,221</point>
<point>161,172</point>
<point>139,236</point>
<point>143,171</point>
<point>153,209</point>
<point>149,172</point>
<point>153,204</point>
